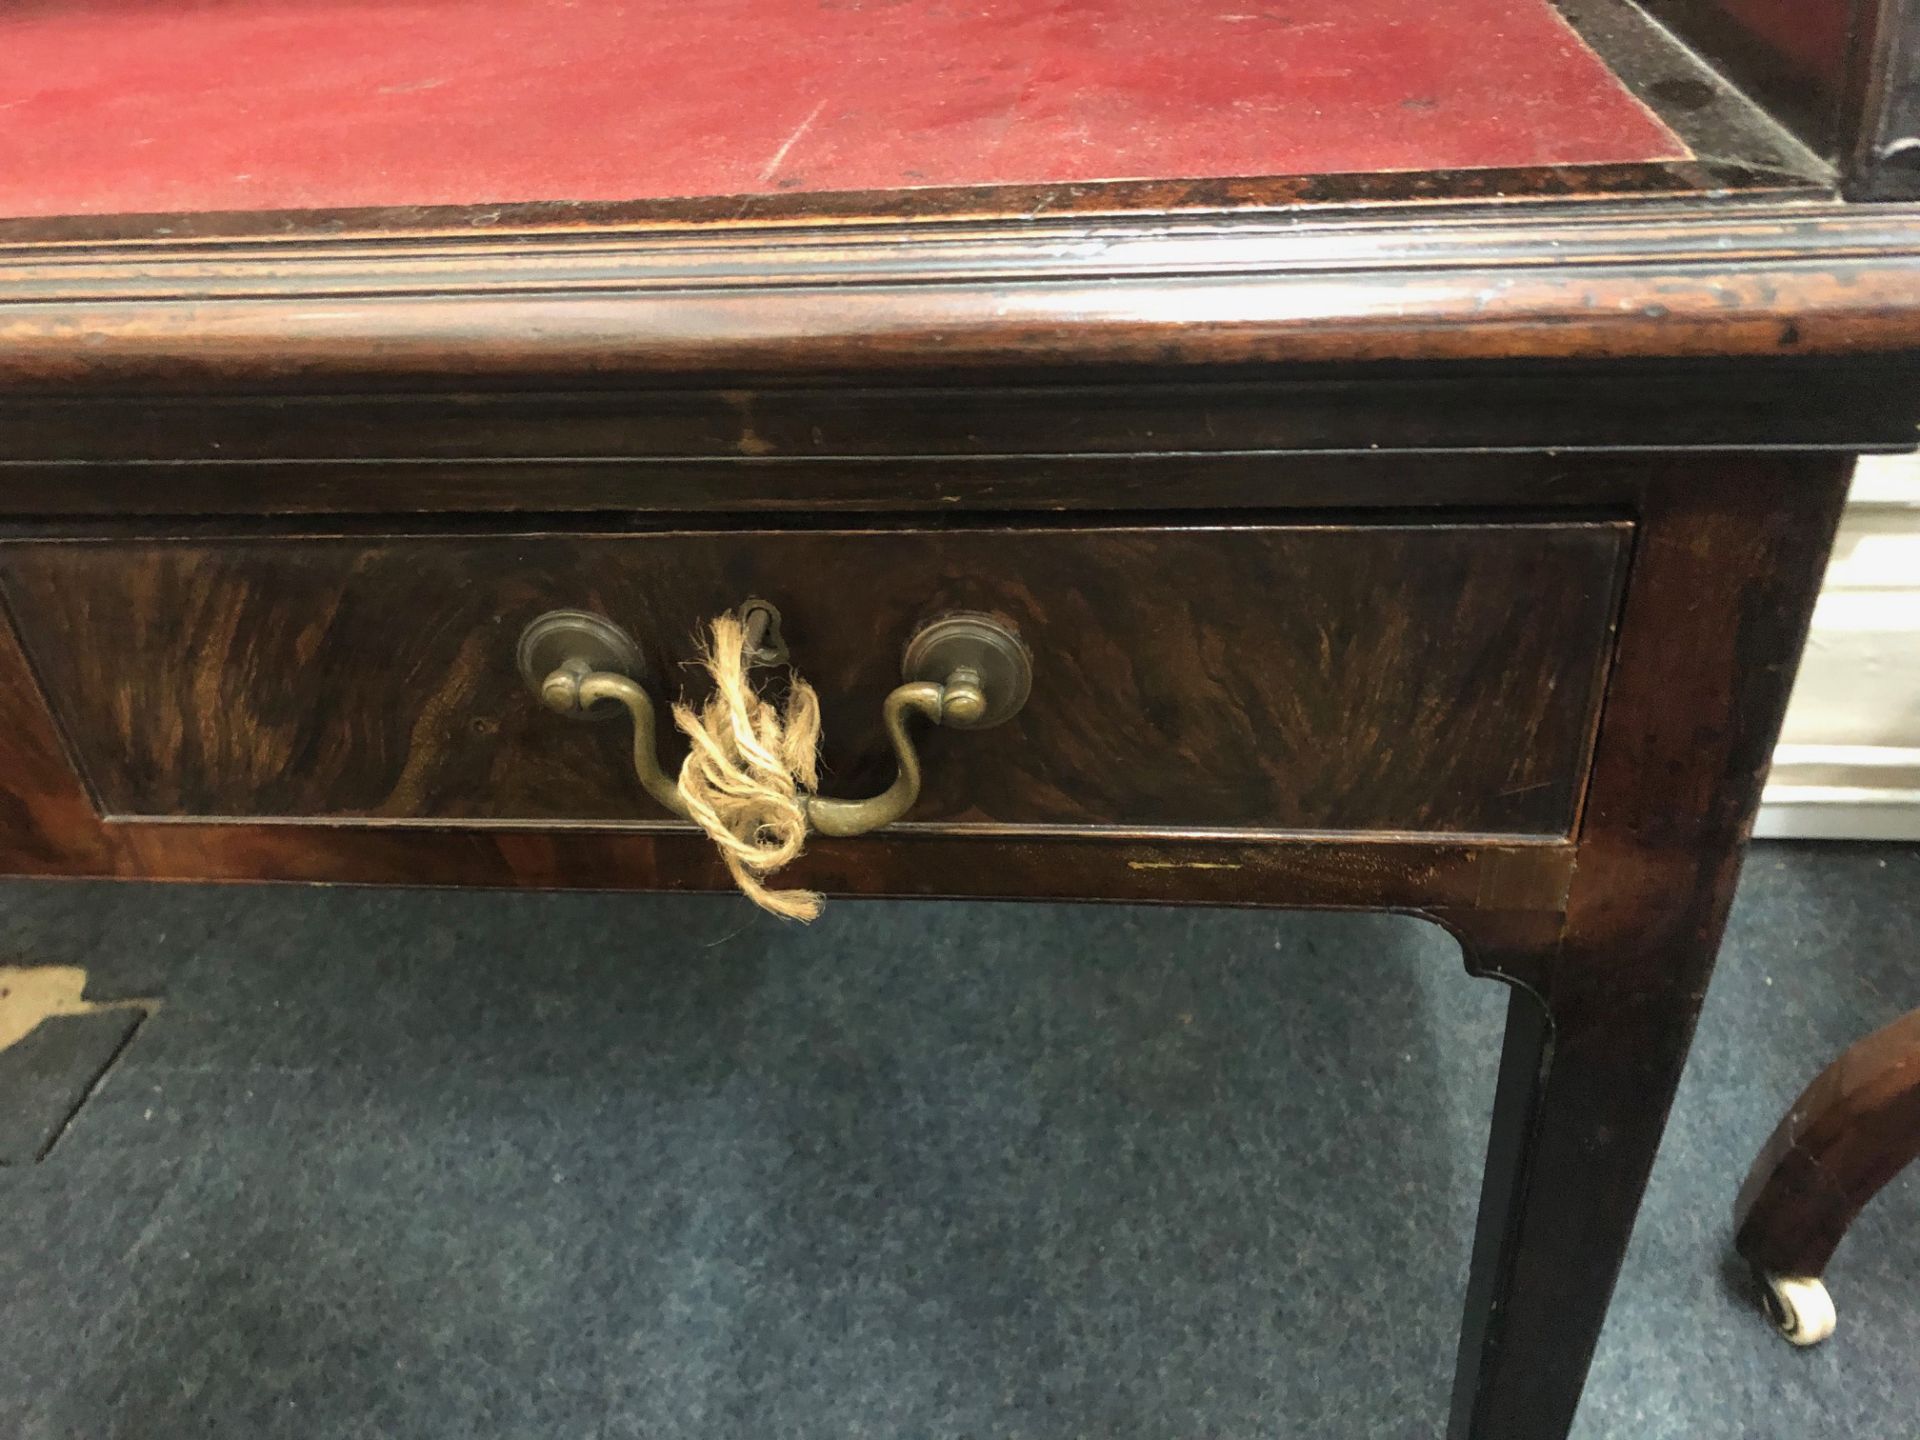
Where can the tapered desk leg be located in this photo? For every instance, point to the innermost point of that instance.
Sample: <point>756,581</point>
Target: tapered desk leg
<point>1714,615</point>
<point>1581,1102</point>
<point>1851,1131</point>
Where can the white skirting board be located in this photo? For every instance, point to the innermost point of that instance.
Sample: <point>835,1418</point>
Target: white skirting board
<point>1848,765</point>
<point>1840,814</point>
<point>1815,793</point>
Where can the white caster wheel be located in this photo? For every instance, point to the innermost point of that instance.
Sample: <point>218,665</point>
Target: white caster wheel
<point>1800,1307</point>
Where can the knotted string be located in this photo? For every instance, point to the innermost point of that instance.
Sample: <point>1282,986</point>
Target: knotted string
<point>751,768</point>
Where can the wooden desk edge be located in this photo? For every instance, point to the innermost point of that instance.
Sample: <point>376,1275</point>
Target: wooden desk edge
<point>1523,281</point>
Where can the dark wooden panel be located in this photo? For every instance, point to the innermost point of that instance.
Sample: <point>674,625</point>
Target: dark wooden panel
<point>172,446</point>
<point>47,825</point>
<point>1423,678</point>
<point>1444,879</point>
<point>1884,150</point>
<point>48,828</point>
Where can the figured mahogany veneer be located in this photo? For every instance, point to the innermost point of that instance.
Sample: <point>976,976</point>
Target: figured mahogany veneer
<point>181,105</point>
<point>1252,678</point>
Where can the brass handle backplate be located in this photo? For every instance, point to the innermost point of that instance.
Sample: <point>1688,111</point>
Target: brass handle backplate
<point>966,671</point>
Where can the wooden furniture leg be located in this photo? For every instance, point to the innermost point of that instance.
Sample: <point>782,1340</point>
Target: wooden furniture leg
<point>1850,1132</point>
<point>1606,995</point>
<point>1591,1058</point>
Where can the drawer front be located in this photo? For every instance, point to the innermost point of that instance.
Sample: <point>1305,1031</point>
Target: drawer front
<point>1379,677</point>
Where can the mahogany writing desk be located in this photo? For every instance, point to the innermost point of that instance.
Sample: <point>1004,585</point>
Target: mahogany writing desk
<point>1401,441</point>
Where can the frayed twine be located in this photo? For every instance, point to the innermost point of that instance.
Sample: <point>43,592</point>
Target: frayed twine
<point>750,772</point>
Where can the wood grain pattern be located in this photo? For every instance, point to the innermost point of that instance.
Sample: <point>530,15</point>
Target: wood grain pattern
<point>48,824</point>
<point>1661,280</point>
<point>1277,678</point>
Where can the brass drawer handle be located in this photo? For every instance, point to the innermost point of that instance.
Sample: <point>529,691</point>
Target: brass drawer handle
<point>966,671</point>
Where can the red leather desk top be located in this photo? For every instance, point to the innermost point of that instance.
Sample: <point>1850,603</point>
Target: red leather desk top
<point>193,105</point>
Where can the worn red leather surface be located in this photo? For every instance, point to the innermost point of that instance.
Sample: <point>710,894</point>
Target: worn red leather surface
<point>175,105</point>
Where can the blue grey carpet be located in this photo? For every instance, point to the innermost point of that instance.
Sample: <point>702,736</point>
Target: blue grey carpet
<point>428,1165</point>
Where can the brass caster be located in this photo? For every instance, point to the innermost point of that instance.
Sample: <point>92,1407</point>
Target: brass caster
<point>1800,1307</point>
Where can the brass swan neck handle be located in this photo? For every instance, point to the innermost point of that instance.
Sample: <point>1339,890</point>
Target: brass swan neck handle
<point>966,671</point>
